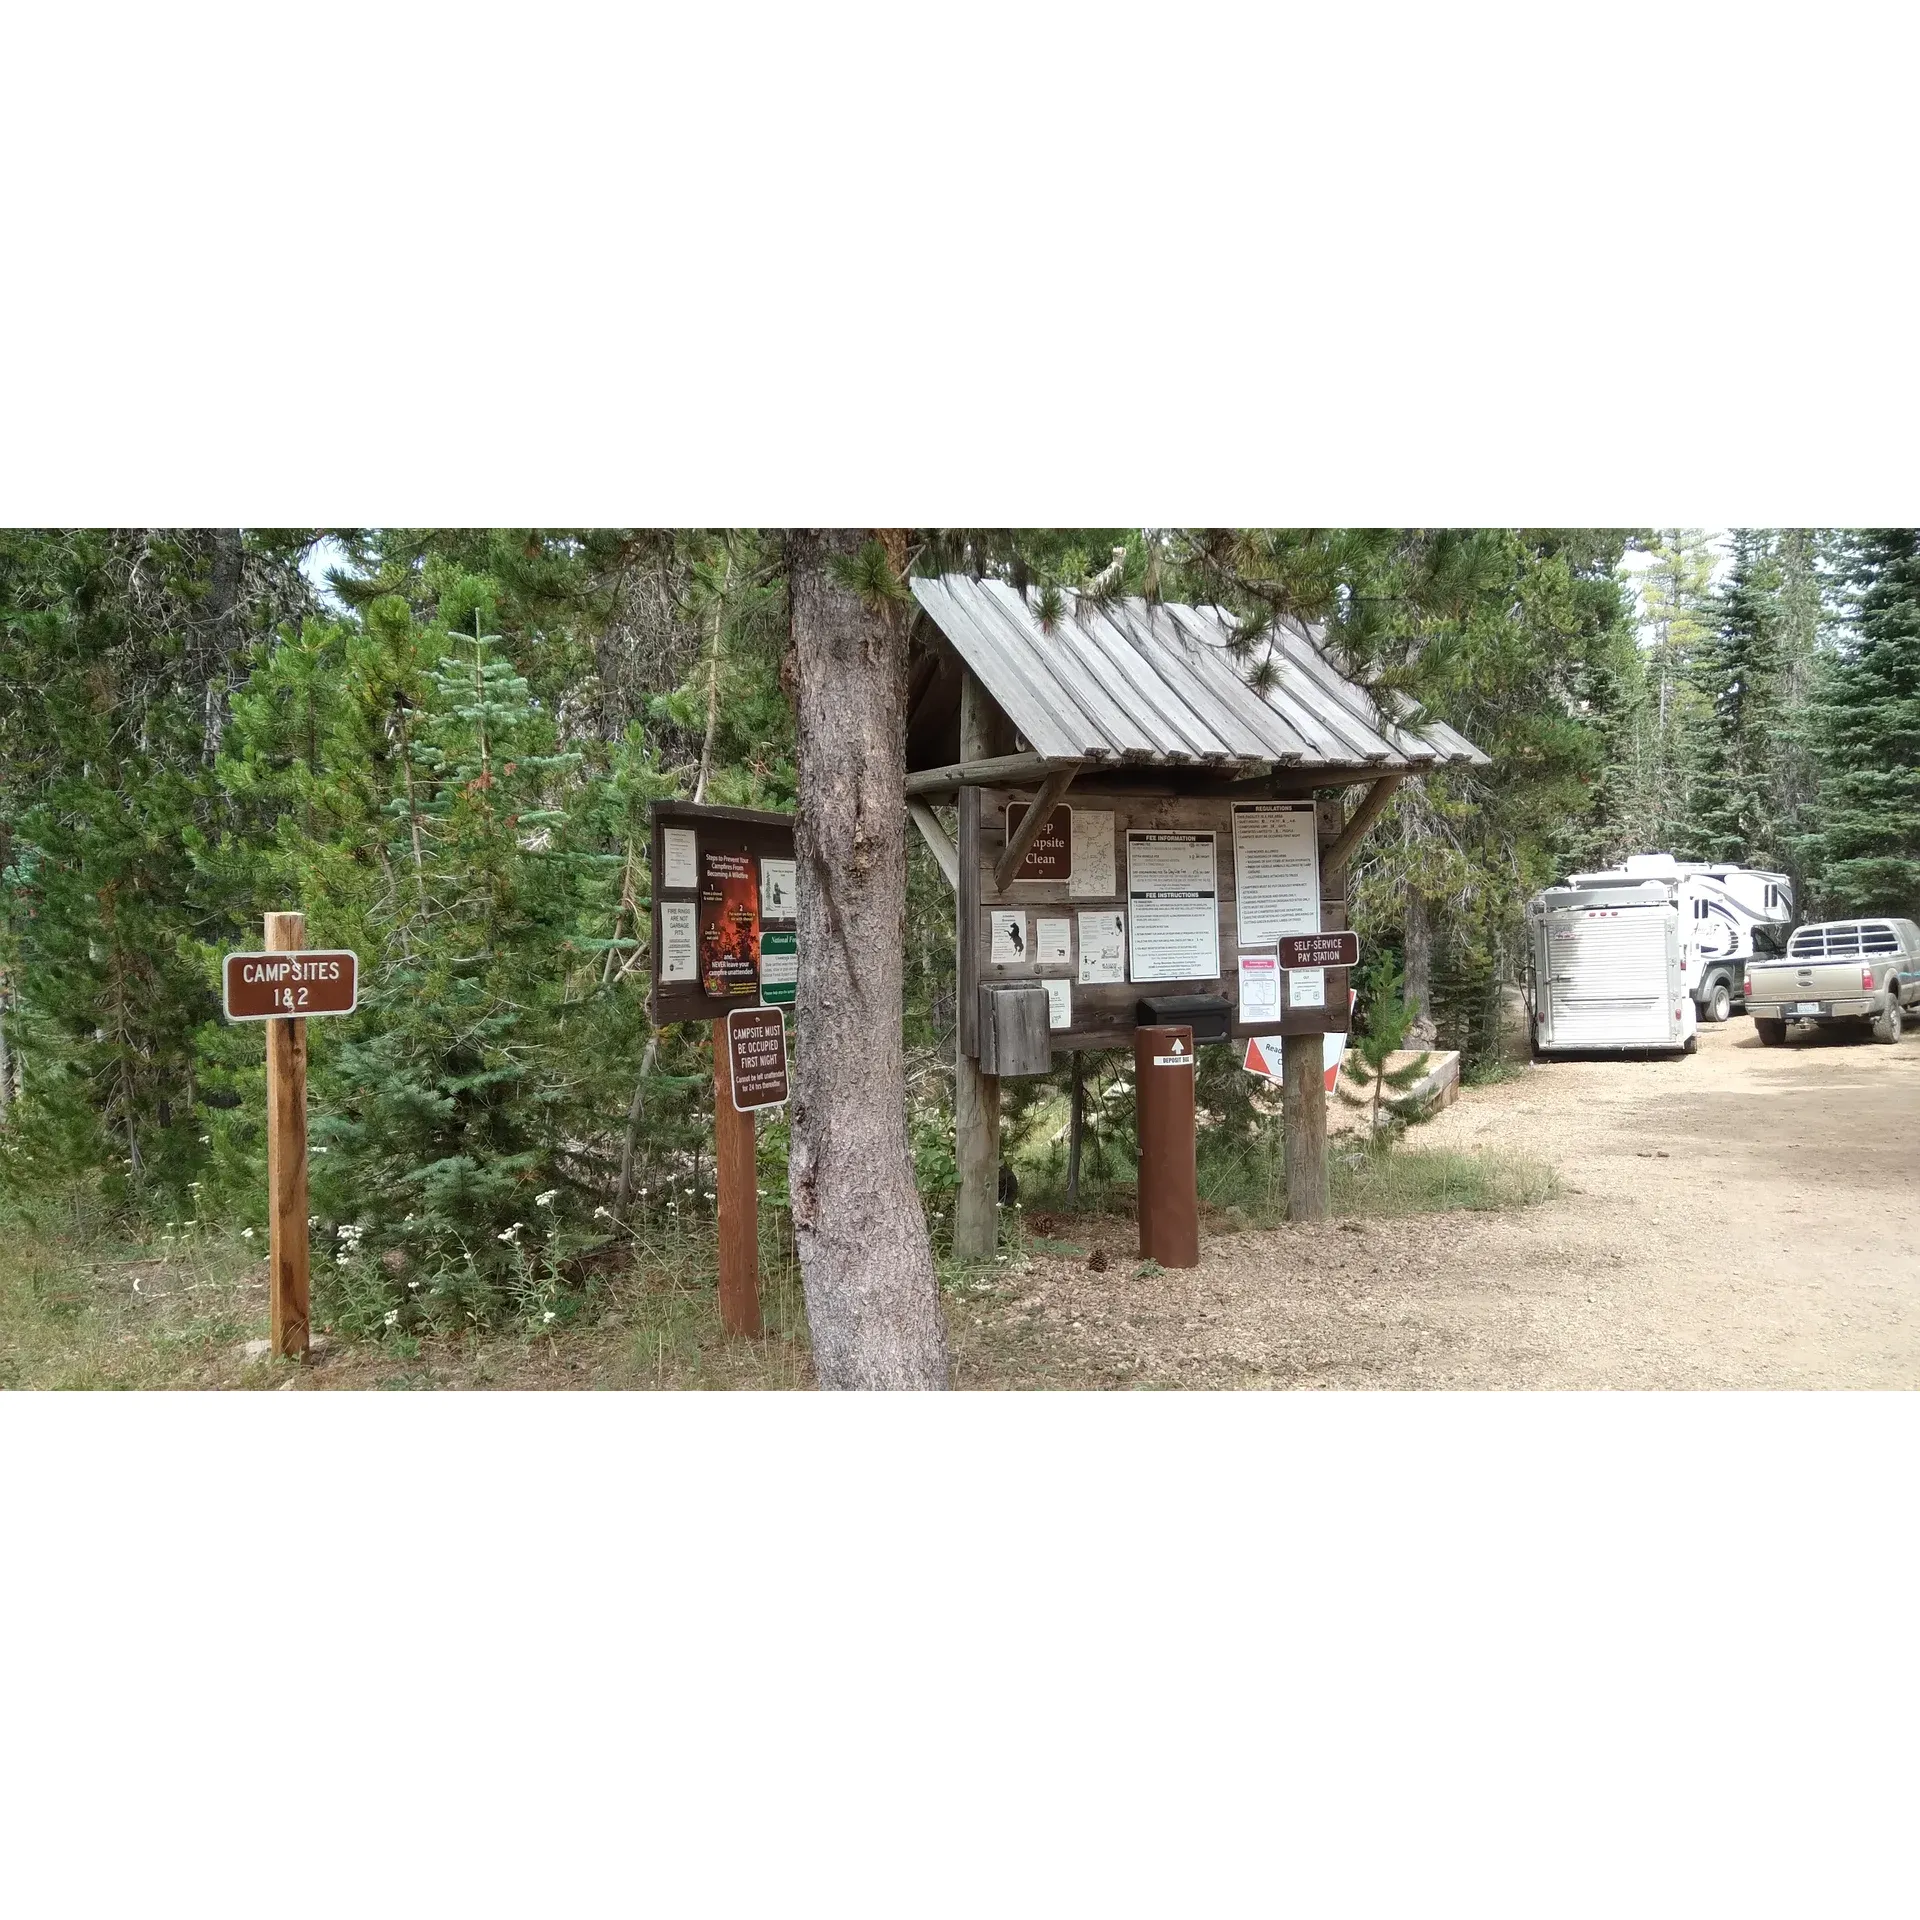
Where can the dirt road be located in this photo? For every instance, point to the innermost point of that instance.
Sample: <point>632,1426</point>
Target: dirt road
<point>1747,1217</point>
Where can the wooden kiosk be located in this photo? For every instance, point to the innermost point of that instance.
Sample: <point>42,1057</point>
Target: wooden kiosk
<point>1149,816</point>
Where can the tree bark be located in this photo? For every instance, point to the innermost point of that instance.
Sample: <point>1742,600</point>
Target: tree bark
<point>1416,932</point>
<point>873,1303</point>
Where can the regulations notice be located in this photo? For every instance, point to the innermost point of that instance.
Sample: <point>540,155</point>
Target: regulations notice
<point>1173,907</point>
<point>1276,870</point>
<point>757,1057</point>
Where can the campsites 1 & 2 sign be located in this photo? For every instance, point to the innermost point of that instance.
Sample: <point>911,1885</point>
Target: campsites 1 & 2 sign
<point>290,986</point>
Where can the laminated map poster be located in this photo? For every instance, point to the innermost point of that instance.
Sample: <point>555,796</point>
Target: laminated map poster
<point>729,925</point>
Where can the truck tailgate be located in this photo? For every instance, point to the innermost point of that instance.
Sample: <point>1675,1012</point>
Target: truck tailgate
<point>1808,990</point>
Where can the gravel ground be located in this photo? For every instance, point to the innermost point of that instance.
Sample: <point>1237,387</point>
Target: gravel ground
<point>1746,1217</point>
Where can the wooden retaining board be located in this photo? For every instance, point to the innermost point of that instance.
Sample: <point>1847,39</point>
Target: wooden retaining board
<point>1104,1015</point>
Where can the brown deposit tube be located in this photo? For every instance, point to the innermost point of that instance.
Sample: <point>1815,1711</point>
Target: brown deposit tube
<point>1163,1071</point>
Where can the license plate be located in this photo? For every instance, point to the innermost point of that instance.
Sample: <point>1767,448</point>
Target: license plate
<point>1807,1006</point>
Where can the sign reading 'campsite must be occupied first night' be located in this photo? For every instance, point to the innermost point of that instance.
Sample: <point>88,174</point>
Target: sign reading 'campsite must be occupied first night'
<point>290,986</point>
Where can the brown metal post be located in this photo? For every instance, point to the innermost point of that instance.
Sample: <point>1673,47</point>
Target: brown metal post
<point>735,1171</point>
<point>1169,1183</point>
<point>287,1236</point>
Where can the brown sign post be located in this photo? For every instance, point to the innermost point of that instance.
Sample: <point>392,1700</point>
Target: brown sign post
<point>286,986</point>
<point>268,986</point>
<point>1169,1192</point>
<point>1305,950</point>
<point>723,878</point>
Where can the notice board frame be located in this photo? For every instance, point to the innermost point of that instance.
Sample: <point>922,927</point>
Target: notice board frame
<point>1104,1016</point>
<point>761,836</point>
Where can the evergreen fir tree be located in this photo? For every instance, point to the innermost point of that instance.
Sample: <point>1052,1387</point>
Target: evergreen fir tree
<point>1737,669</point>
<point>1868,722</point>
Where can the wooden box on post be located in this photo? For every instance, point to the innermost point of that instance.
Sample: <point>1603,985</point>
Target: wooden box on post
<point>1013,1031</point>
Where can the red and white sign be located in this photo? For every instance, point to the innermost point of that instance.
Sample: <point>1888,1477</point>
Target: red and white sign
<point>1264,1052</point>
<point>290,986</point>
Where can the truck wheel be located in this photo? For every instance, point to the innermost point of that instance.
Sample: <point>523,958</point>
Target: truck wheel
<point>1719,1002</point>
<point>1773,1033</point>
<point>1887,1028</point>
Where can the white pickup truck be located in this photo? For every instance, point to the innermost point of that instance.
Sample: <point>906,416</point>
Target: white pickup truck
<point>1863,973</point>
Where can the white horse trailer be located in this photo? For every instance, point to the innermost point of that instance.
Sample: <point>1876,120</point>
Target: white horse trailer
<point>1604,971</point>
<point>1721,906</point>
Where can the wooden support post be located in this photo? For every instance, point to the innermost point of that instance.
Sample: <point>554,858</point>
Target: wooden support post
<point>1169,1180</point>
<point>1303,1108</point>
<point>287,1232</point>
<point>976,1095</point>
<point>1335,858</point>
<point>935,835</point>
<point>1076,1125</point>
<point>735,1173</point>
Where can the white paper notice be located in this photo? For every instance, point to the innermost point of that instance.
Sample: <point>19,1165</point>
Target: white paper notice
<point>1053,942</point>
<point>1059,1004</point>
<point>777,894</point>
<point>682,869</point>
<point>1092,876</point>
<point>679,958</point>
<point>1259,987</point>
<point>1276,870</point>
<point>1103,949</point>
<point>1009,939</point>
<point>1307,987</point>
<point>1173,907</point>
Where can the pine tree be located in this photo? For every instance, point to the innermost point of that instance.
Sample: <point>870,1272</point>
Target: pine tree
<point>440,1130</point>
<point>1868,728</point>
<point>1737,670</point>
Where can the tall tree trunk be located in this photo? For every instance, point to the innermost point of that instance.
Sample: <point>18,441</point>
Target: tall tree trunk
<point>873,1304</point>
<point>6,1059</point>
<point>1416,933</point>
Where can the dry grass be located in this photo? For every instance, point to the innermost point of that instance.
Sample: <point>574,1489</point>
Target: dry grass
<point>80,1311</point>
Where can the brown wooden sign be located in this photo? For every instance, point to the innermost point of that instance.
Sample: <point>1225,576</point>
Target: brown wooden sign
<point>721,877</point>
<point>291,986</point>
<point>757,1057</point>
<point>1050,857</point>
<point>1320,950</point>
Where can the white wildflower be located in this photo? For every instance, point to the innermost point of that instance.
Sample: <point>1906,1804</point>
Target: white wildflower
<point>547,1317</point>
<point>546,1199</point>
<point>246,1233</point>
<point>393,1317</point>
<point>601,1213</point>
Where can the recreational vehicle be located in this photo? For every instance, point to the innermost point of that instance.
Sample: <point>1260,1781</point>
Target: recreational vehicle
<point>1721,906</point>
<point>1605,958</point>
